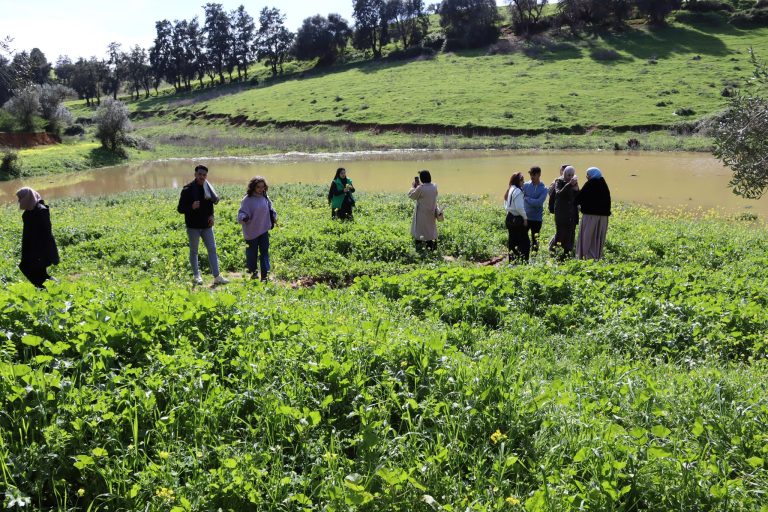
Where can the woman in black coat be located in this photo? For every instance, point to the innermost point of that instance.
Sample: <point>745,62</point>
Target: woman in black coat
<point>38,247</point>
<point>594,199</point>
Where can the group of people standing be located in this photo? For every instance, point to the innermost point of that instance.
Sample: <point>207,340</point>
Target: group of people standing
<point>257,216</point>
<point>524,203</point>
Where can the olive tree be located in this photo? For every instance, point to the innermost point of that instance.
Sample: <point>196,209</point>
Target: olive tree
<point>112,124</point>
<point>25,107</point>
<point>51,108</point>
<point>741,139</point>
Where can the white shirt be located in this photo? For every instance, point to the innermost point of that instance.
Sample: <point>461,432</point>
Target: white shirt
<point>514,203</point>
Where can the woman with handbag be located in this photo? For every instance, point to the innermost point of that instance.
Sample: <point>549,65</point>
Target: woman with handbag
<point>517,221</point>
<point>340,196</point>
<point>257,216</point>
<point>426,212</point>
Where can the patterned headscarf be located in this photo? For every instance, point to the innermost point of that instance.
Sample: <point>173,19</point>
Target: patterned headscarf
<point>28,198</point>
<point>594,173</point>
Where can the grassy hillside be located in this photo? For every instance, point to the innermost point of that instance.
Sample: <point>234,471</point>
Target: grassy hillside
<point>535,87</point>
<point>592,92</point>
<point>637,383</point>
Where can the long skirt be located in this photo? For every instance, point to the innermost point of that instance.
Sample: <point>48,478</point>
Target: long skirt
<point>592,237</point>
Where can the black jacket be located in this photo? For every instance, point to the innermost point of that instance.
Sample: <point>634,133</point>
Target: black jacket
<point>37,242</point>
<point>565,203</point>
<point>594,198</point>
<point>196,219</point>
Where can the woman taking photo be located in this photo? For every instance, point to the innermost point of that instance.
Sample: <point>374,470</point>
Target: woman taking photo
<point>424,224</point>
<point>517,220</point>
<point>38,247</point>
<point>340,196</point>
<point>257,216</point>
<point>594,199</point>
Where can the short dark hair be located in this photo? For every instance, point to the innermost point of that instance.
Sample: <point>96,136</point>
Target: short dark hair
<point>425,177</point>
<point>201,168</point>
<point>535,170</point>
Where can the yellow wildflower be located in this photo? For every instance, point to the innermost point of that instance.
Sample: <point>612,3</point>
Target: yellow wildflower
<point>165,493</point>
<point>164,455</point>
<point>497,436</point>
<point>81,492</point>
<point>511,500</point>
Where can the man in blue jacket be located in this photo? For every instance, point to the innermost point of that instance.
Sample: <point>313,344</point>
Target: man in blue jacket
<point>535,193</point>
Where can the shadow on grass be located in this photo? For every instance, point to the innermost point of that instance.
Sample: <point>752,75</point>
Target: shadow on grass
<point>101,157</point>
<point>666,41</point>
<point>712,22</point>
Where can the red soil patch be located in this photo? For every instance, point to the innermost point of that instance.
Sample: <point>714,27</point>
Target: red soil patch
<point>27,139</point>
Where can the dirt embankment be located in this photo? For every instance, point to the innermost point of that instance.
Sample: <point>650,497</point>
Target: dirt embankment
<point>27,139</point>
<point>431,129</point>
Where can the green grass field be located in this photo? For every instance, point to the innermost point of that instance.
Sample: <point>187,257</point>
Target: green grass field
<point>635,383</point>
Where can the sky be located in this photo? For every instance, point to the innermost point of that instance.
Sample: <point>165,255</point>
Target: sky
<point>84,28</point>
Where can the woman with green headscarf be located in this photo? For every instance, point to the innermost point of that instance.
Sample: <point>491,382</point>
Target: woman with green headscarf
<point>340,196</point>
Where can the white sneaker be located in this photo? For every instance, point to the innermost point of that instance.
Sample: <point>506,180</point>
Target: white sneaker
<point>196,279</point>
<point>220,279</point>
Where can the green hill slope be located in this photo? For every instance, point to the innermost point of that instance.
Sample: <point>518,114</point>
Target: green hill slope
<point>639,79</point>
<point>595,92</point>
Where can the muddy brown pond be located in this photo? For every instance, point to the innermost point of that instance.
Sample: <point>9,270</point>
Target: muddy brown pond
<point>693,181</point>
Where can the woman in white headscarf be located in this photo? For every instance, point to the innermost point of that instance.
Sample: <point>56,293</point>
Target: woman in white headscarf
<point>38,247</point>
<point>594,199</point>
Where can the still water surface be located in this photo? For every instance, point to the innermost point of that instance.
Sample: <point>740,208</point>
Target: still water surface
<point>668,180</point>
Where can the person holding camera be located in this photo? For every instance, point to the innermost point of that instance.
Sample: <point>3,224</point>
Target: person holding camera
<point>257,216</point>
<point>566,213</point>
<point>340,196</point>
<point>425,212</point>
<point>517,220</point>
<point>196,203</point>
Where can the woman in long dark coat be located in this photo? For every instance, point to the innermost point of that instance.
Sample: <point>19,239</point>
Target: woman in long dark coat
<point>38,247</point>
<point>594,199</point>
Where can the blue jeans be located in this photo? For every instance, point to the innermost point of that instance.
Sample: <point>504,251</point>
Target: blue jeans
<point>260,244</point>
<point>210,245</point>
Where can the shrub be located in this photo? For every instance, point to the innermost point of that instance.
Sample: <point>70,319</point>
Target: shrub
<point>757,17</point>
<point>25,107</point>
<point>112,124</point>
<point>411,53</point>
<point>605,54</point>
<point>708,6</point>
<point>140,143</point>
<point>683,111</point>
<point>9,166</point>
<point>435,40</point>
<point>73,130</point>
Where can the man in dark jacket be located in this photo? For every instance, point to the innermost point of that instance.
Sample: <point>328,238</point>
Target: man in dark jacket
<point>196,203</point>
<point>566,214</point>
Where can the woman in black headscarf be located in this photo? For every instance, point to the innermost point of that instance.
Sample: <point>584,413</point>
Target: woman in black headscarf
<point>38,247</point>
